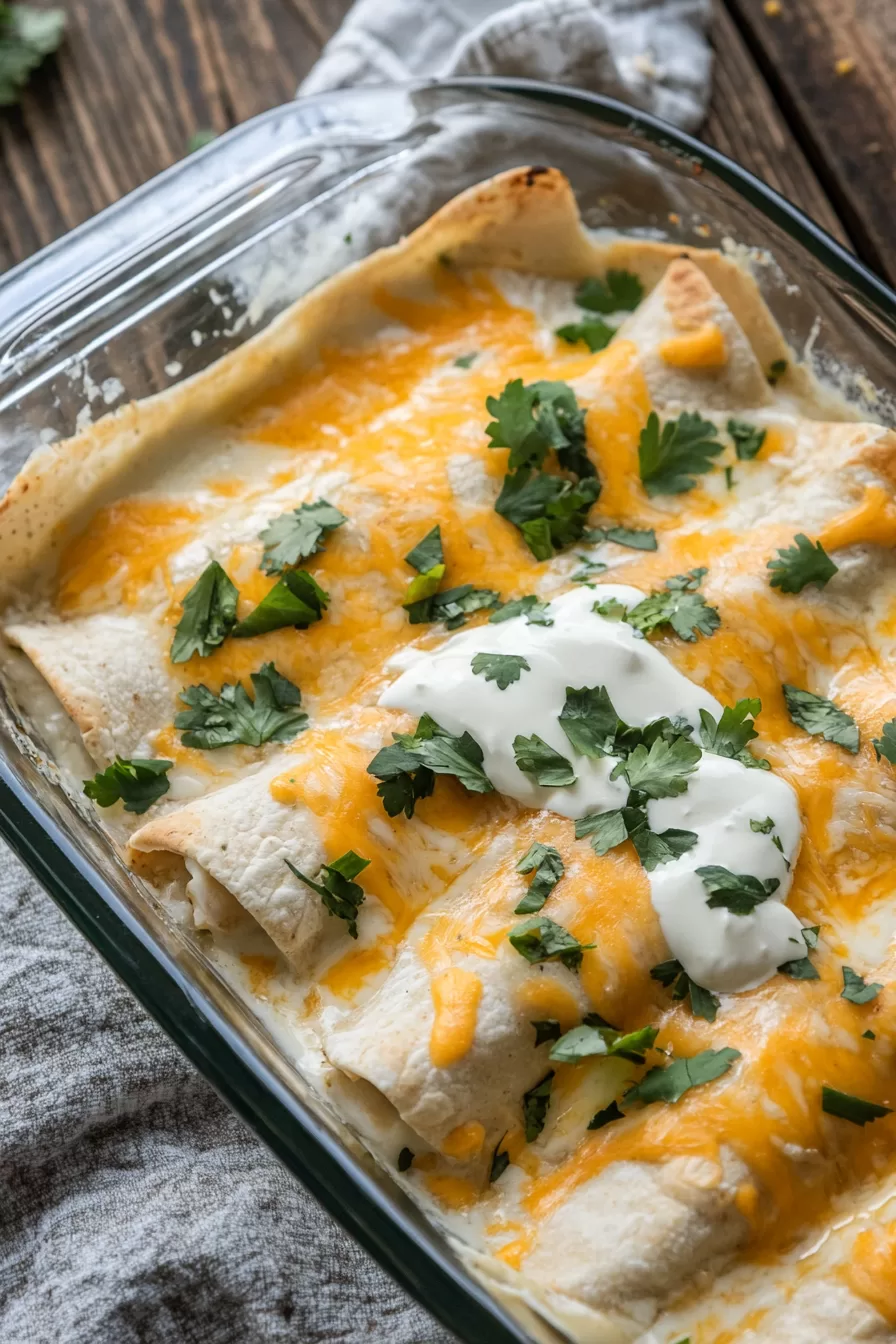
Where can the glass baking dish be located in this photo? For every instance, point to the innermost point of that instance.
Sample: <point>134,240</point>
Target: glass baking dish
<point>193,264</point>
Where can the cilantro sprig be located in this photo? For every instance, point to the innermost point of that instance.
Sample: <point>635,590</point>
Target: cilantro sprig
<point>730,736</point>
<point>821,717</point>
<point>341,896</point>
<point>547,868</point>
<point>502,668</point>
<point>671,459</point>
<point>619,291</point>
<point>406,770</point>
<point>679,605</point>
<point>136,783</point>
<point>801,564</point>
<point>296,535</point>
<point>209,615</point>
<point>213,721</point>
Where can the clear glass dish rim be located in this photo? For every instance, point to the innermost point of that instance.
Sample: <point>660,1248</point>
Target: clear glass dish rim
<point>183,1009</point>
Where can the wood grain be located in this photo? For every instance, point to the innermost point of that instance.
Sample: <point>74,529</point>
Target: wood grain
<point>845,121</point>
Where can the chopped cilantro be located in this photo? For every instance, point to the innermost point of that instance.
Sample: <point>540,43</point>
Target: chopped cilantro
<point>738,892</point>
<point>499,1163</point>
<point>854,1109</point>
<point>763,827</point>
<point>679,605</point>
<point>729,737</point>
<point>549,511</point>
<point>423,585</point>
<point>587,1039</point>
<point>611,610</point>
<point>296,599</point>
<point>540,939</point>
<point>588,570</point>
<point>466,361</point>
<point>535,1106</point>
<point>535,757</point>
<point>856,990</point>
<point>869,1035</point>
<point>672,975</point>
<point>137,783</point>
<point>748,439</point>
<point>405,1159</point>
<point>810,936</point>
<point>636,538</point>
<point>619,291</point>
<point>669,461</point>
<point>340,895</point>
<point>885,746</point>
<point>606,1116</point>
<point>27,36</point>
<point>656,847</point>
<point>593,332</point>
<point>801,968</point>
<point>502,668</point>
<point>589,721</point>
<point>776,371</point>
<point>670,1082</point>
<point>606,829</point>
<point>548,1029</point>
<point>729,478</point>
<point>609,829</point>
<point>534,610</point>
<point>406,769</point>
<point>209,615</point>
<point>821,717</point>
<point>548,868</point>
<point>427,552</point>
<point>800,565</point>
<point>451,605</point>
<point>296,535</point>
<point>530,420</point>
<point>212,721</point>
<point>662,769</point>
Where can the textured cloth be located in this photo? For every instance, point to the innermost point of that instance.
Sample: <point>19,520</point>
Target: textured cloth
<point>134,1208</point>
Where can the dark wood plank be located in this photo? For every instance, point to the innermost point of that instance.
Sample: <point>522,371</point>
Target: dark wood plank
<point>830,65</point>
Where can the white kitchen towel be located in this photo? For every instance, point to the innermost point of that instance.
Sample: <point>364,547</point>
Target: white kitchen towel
<point>654,54</point>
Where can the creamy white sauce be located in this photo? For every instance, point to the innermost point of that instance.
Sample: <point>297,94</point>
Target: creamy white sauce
<point>722,951</point>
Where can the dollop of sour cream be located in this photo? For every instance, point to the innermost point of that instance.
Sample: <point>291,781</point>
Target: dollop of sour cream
<point>721,951</point>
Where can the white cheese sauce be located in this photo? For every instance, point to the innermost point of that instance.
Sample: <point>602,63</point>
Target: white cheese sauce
<point>721,951</point>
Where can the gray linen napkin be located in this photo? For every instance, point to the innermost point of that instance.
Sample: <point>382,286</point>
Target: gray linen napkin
<point>134,1208</point>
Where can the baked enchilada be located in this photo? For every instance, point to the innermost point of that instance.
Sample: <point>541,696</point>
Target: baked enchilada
<point>489,663</point>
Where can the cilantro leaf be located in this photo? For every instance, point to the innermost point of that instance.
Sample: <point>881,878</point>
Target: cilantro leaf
<point>662,769</point>
<point>514,425</point>
<point>611,610</point>
<point>619,291</point>
<point>209,615</point>
<point>296,535</point>
<point>423,585</point>
<point>138,783</point>
<point>800,565</point>
<point>821,718</point>
<point>738,892</point>
<point>854,1109</point>
<point>763,827</point>
<point>589,721</point>
<point>729,737</point>
<point>535,757</point>
<point>776,371</point>
<point>213,721</point>
<point>586,1040</point>
<point>748,439</point>
<point>296,599</point>
<point>609,829</point>
<point>406,769</point>
<point>427,552</point>
<point>606,1116</point>
<point>466,361</point>
<point>340,895</point>
<point>885,746</point>
<point>672,975</point>
<point>535,1107</point>
<point>656,847</point>
<point>801,968</point>
<point>502,668</point>
<point>669,461</point>
<point>855,989</point>
<point>548,1029</point>
<point>499,1163</point>
<point>637,538</point>
<point>534,610</point>
<point>549,511</point>
<point>452,605</point>
<point>27,36</point>
<point>548,868</point>
<point>680,606</point>
<point>670,1083</point>
<point>606,829</point>
<point>540,939</point>
<point>589,570</point>
<point>593,332</point>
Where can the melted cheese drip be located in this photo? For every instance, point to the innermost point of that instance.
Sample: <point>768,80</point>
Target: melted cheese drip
<point>455,996</point>
<point>704,348</point>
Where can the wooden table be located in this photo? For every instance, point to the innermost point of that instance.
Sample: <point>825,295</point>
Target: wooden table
<point>803,95</point>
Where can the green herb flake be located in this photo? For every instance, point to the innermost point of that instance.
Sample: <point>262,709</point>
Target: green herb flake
<point>136,783</point>
<point>855,990</point>
<point>546,766</point>
<point>407,768</point>
<point>821,717</point>
<point>540,939</point>
<point>501,668</point>
<point>670,1082</point>
<point>451,605</point>
<point>776,371</point>
<point>801,564</point>
<point>535,1107</point>
<point>635,538</point>
<point>885,746</point>
<point>854,1109</point>
<point>499,1163</point>
<point>588,570</point>
<point>341,896</point>
<point>466,361</point>
<point>595,334</point>
<point>619,291</point>
<point>534,610</point>
<point>606,1116</point>
<point>212,721</point>
<point>296,535</point>
<point>748,439</point>
<point>740,893</point>
<point>763,827</point>
<point>427,552</point>
<point>678,605</point>
<point>589,721</point>
<point>802,968</point>
<point>729,478</point>
<point>734,730</point>
<point>27,36</point>
<point>548,868</point>
<point>209,615</point>
<point>405,1159</point>
<point>547,1029</point>
<point>662,769</point>
<point>869,1035</point>
<point>586,1040</point>
<point>672,975</point>
<point>671,460</point>
<point>296,600</point>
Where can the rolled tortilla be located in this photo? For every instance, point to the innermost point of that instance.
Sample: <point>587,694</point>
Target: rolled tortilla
<point>823,1309</point>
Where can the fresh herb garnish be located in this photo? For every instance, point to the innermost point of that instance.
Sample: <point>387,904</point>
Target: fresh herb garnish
<point>670,1082</point>
<point>776,371</point>
<point>296,535</point>
<point>679,605</point>
<point>740,893</point>
<point>821,718</point>
<point>534,610</point>
<point>451,605</point>
<point>340,895</point>
<point>535,1106</point>
<point>540,939</point>
<point>27,36</point>
<point>611,610</point>
<point>670,461</point>
<point>609,829</point>
<point>660,770</point>
<point>801,564</point>
<point>499,1163</point>
<point>869,1035</point>
<point>592,331</point>
<point>547,767</point>
<point>427,552</point>
<point>406,769</point>
<point>606,1116</point>
<point>547,1029</point>
<point>619,291</point>
<point>637,538</point>
<point>672,975</point>
<point>547,866</point>
<point>855,988</point>
<point>589,1039</point>
<point>588,570</point>
<point>729,737</point>
<point>748,439</point>
<point>589,721</point>
<point>137,783</point>
<point>209,615</point>
<point>296,600</point>
<point>802,968</point>
<point>466,361</point>
<point>885,746</point>
<point>405,1159</point>
<point>763,827</point>
<point>212,721</point>
<point>854,1109</point>
<point>502,668</point>
<point>549,511</point>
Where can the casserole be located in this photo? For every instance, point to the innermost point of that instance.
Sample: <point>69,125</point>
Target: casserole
<point>32,356</point>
